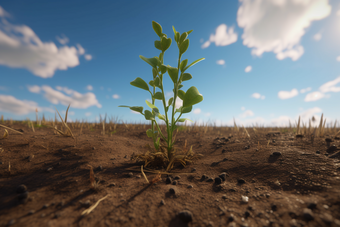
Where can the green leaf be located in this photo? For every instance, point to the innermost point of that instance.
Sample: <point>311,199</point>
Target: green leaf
<point>186,76</point>
<point>160,116</point>
<point>163,68</point>
<point>138,109</point>
<point>184,119</point>
<point>158,95</point>
<point>186,109</point>
<point>153,107</point>
<point>152,83</point>
<point>160,56</point>
<point>149,133</point>
<point>192,97</point>
<point>184,46</point>
<point>154,73</point>
<point>198,60</point>
<point>189,32</point>
<point>173,73</point>
<point>157,82</point>
<point>183,37</point>
<point>170,101</point>
<point>140,83</point>
<point>151,61</point>
<point>181,94</point>
<point>148,115</point>
<point>180,86</point>
<point>177,36</point>
<point>173,28</point>
<point>158,45</point>
<point>183,64</point>
<point>157,28</point>
<point>165,43</point>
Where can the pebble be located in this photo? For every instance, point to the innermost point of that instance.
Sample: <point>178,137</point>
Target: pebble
<point>223,176</point>
<point>23,196</point>
<point>224,197</point>
<point>276,153</point>
<point>218,180</point>
<point>318,152</point>
<point>168,180</point>
<point>99,168</point>
<point>326,218</point>
<point>185,216</point>
<point>210,179</point>
<point>241,181</point>
<point>204,177</point>
<point>162,202</point>
<point>308,214</point>
<point>177,177</point>
<point>31,212</point>
<point>174,182</point>
<point>245,199</point>
<point>231,218</point>
<point>193,170</point>
<point>246,214</point>
<point>172,191</point>
<point>312,205</point>
<point>130,174</point>
<point>112,184</point>
<point>190,186</point>
<point>49,169</point>
<point>21,188</point>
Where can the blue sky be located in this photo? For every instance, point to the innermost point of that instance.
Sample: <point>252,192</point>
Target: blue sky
<point>266,62</point>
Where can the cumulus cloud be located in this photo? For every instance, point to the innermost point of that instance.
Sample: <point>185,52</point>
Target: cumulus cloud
<point>81,50</point>
<point>62,40</point>
<point>34,89</point>
<point>220,62</point>
<point>89,87</point>
<point>258,96</point>
<point>3,13</point>
<point>207,114</point>
<point>314,96</point>
<point>20,47</point>
<point>243,108</point>
<point>330,86</point>
<point>10,104</point>
<point>338,58</point>
<point>88,57</point>
<point>197,111</point>
<point>277,26</point>
<point>317,36</point>
<point>338,13</point>
<point>222,37</point>
<point>87,114</point>
<point>77,100</point>
<point>248,69</point>
<point>247,113</point>
<point>288,94</point>
<point>305,90</point>
<point>115,96</point>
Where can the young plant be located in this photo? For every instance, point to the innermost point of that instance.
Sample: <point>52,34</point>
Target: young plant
<point>178,76</point>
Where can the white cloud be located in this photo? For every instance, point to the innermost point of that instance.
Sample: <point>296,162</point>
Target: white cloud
<point>89,87</point>
<point>243,108</point>
<point>220,62</point>
<point>317,36</point>
<point>281,121</point>
<point>77,100</point>
<point>338,13</point>
<point>258,96</point>
<point>248,69</point>
<point>247,113</point>
<point>207,114</point>
<point>87,114</point>
<point>63,40</point>
<point>20,47</point>
<point>15,106</point>
<point>305,90</point>
<point>330,86</point>
<point>288,94</point>
<point>308,114</point>
<point>179,103</point>
<point>277,26</point>
<point>197,111</point>
<point>81,50</point>
<point>3,13</point>
<point>88,57</point>
<point>314,96</point>
<point>115,96</point>
<point>338,58</point>
<point>34,89</point>
<point>223,36</point>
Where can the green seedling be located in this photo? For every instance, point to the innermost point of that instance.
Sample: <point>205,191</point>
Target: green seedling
<point>190,97</point>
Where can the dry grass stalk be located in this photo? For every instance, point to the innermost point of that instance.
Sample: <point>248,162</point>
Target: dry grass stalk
<point>320,126</point>
<point>89,210</point>
<point>68,133</point>
<point>5,134</point>
<point>246,131</point>
<point>141,169</point>
<point>93,184</point>
<point>10,129</point>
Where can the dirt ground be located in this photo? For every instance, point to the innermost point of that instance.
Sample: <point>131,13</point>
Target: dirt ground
<point>288,182</point>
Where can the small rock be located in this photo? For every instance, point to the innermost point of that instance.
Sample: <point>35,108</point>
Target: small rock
<point>241,181</point>
<point>57,215</point>
<point>223,176</point>
<point>168,180</point>
<point>246,214</point>
<point>218,180</point>
<point>326,218</point>
<point>23,196</point>
<point>312,205</point>
<point>45,206</point>
<point>49,169</point>
<point>93,148</point>
<point>172,191</point>
<point>190,186</point>
<point>224,197</point>
<point>193,170</point>
<point>21,188</point>
<point>43,215</point>
<point>87,203</point>
<point>245,199</point>
<point>231,218</point>
<point>224,150</point>
<point>130,174</point>
<point>318,152</point>
<point>174,182</point>
<point>185,216</point>
<point>274,207</point>
<point>99,168</point>
<point>162,202</point>
<point>308,214</point>
<point>326,207</point>
<point>204,177</point>
<point>276,153</point>
<point>210,179</point>
<point>177,177</point>
<point>31,212</point>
